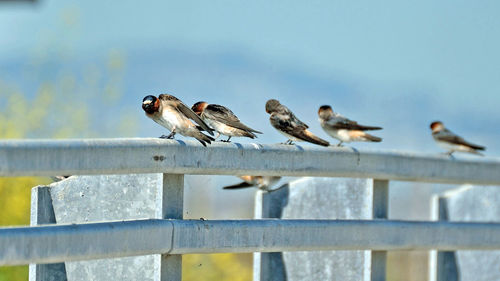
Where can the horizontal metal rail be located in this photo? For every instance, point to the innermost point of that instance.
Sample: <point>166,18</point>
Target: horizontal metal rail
<point>48,244</point>
<point>123,156</point>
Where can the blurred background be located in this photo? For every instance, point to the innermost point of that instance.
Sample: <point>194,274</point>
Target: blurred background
<point>79,69</point>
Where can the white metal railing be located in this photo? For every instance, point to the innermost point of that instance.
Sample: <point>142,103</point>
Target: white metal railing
<point>174,236</point>
<point>123,156</point>
<point>49,244</point>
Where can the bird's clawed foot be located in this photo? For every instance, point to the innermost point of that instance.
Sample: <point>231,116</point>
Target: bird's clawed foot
<point>228,140</point>
<point>169,137</point>
<point>288,142</point>
<point>340,144</point>
<point>449,154</point>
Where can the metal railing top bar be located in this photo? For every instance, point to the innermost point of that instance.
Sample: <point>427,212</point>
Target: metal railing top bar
<point>120,156</point>
<point>48,244</point>
<point>56,243</point>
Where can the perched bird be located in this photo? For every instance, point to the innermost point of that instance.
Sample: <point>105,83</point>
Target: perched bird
<point>223,121</point>
<point>59,178</point>
<point>451,142</point>
<point>286,123</point>
<point>343,129</point>
<point>174,115</point>
<point>261,182</point>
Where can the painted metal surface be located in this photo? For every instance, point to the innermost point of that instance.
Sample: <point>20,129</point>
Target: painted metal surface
<point>316,198</point>
<point>45,244</point>
<point>90,199</point>
<point>49,244</point>
<point>467,203</point>
<point>380,210</point>
<point>123,156</point>
<point>172,208</point>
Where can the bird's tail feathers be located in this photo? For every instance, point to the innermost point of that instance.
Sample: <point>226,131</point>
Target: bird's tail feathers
<point>204,138</point>
<point>248,129</point>
<point>372,138</point>
<point>474,151</point>
<point>249,134</point>
<point>476,147</point>
<point>238,186</point>
<point>310,137</point>
<point>370,128</point>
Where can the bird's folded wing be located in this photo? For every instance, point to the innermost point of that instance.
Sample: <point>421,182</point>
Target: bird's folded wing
<point>191,115</point>
<point>226,116</point>
<point>287,124</point>
<point>454,139</point>
<point>344,123</point>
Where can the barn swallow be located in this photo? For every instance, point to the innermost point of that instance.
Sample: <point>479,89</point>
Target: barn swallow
<point>261,182</point>
<point>171,113</point>
<point>343,129</point>
<point>283,120</point>
<point>223,120</point>
<point>451,142</point>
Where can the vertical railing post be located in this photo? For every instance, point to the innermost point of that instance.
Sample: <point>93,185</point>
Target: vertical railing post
<point>380,211</point>
<point>442,264</point>
<point>172,208</point>
<point>269,266</point>
<point>42,212</point>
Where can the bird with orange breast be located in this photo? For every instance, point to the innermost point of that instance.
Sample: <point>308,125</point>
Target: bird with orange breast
<point>452,142</point>
<point>171,113</point>
<point>343,129</point>
<point>223,121</point>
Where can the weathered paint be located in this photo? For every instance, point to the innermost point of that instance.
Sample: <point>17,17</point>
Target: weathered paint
<point>124,156</point>
<point>46,244</point>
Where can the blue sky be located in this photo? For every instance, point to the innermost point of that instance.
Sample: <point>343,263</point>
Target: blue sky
<point>432,42</point>
<point>398,64</point>
<point>367,58</point>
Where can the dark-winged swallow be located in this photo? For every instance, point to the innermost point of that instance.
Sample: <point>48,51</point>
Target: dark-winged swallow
<point>343,129</point>
<point>451,142</point>
<point>261,182</point>
<point>286,123</point>
<point>223,121</point>
<point>171,113</point>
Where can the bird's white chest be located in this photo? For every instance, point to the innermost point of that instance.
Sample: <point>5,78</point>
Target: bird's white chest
<point>219,127</point>
<point>267,182</point>
<point>172,119</point>
<point>342,134</point>
<point>450,146</point>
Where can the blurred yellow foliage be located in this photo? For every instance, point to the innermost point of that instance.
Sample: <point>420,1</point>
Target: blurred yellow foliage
<point>15,210</point>
<point>234,267</point>
<point>60,108</point>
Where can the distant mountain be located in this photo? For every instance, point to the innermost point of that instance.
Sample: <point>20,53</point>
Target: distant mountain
<point>244,83</point>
